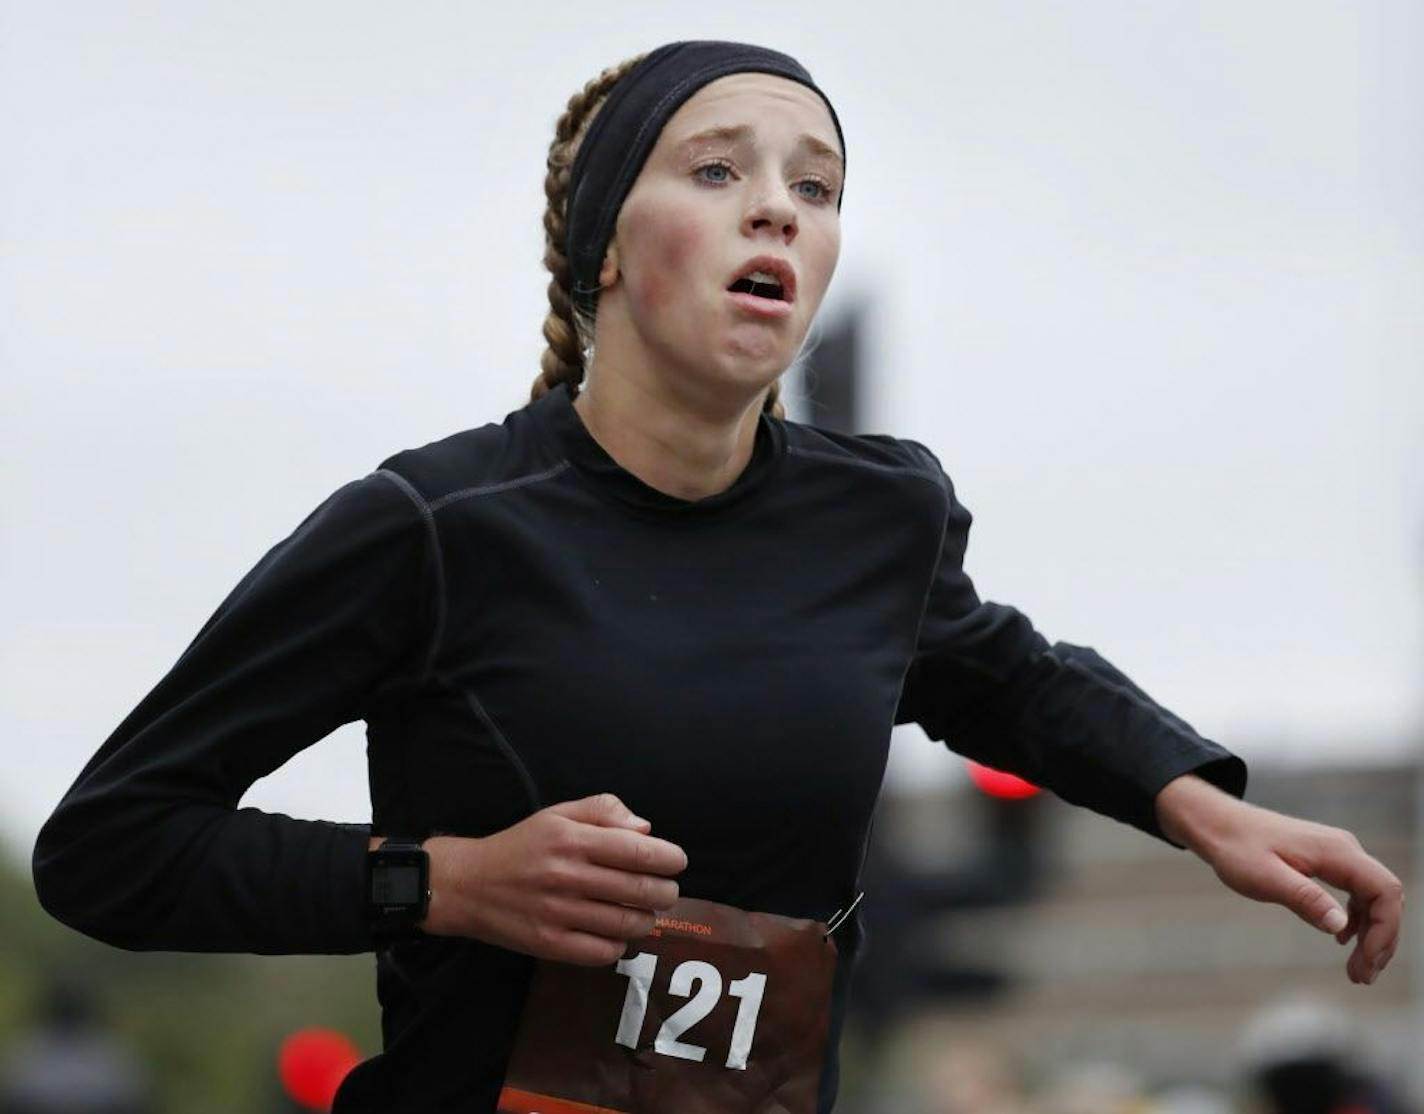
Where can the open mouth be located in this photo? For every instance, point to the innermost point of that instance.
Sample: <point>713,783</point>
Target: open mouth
<point>771,291</point>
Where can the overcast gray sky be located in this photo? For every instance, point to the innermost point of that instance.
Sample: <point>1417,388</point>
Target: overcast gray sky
<point>1147,277</point>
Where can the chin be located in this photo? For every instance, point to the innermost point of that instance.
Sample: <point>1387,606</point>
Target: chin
<point>753,369</point>
<point>739,382</point>
<point>762,348</point>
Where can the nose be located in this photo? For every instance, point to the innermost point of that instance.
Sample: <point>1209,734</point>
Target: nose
<point>773,209</point>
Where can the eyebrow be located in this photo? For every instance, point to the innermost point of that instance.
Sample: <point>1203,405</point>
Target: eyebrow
<point>743,131</point>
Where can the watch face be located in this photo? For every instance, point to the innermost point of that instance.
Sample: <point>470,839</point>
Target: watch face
<point>396,885</point>
<point>398,878</point>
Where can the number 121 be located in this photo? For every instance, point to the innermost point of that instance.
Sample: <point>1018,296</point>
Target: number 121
<point>640,971</point>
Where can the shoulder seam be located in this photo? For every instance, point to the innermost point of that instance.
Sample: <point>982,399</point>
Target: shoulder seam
<point>503,485</point>
<point>427,514</point>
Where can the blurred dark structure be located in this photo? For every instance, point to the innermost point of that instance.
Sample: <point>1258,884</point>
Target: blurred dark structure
<point>1322,1085</point>
<point>1302,1056</point>
<point>904,962</point>
<point>68,1063</point>
<point>832,375</point>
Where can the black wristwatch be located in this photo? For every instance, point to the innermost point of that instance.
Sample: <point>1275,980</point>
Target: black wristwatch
<point>397,888</point>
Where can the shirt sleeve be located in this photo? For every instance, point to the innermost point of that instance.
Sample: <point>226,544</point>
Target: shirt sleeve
<point>147,850</point>
<point>988,685</point>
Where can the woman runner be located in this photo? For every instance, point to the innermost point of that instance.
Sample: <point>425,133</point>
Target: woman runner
<point>629,660</point>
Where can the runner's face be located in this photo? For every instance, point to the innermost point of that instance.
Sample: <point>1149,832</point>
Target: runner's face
<point>702,207</point>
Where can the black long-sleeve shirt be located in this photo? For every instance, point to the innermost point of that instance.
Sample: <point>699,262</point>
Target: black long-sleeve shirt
<point>521,621</point>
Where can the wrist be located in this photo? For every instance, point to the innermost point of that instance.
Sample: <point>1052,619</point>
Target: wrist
<point>1192,812</point>
<point>436,911</point>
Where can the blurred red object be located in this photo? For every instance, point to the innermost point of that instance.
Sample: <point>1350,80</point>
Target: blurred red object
<point>312,1063</point>
<point>999,783</point>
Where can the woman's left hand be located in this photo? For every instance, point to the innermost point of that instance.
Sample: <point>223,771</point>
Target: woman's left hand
<point>1269,856</point>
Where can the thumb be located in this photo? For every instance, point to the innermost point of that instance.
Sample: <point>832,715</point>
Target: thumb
<point>604,809</point>
<point>1312,904</point>
<point>1334,920</point>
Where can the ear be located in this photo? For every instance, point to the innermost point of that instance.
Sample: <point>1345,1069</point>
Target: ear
<point>608,273</point>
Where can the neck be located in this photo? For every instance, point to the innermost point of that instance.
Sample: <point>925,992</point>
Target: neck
<point>673,444</point>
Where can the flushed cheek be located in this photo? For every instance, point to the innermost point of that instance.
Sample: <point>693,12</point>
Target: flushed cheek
<point>677,248</point>
<point>653,292</point>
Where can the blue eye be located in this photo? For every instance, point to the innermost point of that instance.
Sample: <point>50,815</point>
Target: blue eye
<point>826,192</point>
<point>714,166</point>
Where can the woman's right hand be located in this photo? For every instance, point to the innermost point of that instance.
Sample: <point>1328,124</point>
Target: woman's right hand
<point>574,882</point>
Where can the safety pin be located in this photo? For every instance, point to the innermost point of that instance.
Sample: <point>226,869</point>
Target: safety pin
<point>842,916</point>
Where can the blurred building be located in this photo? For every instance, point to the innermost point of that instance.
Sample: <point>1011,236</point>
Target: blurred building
<point>1132,952</point>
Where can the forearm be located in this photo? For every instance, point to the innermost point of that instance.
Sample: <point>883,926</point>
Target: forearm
<point>199,878</point>
<point>1070,722</point>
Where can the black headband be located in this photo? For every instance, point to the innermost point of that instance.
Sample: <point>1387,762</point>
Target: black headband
<point>627,127</point>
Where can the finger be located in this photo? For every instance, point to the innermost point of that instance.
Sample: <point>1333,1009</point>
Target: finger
<point>1356,910</point>
<point>584,948</point>
<point>642,891</point>
<point>1379,892</point>
<point>633,851</point>
<point>1362,972</point>
<point>599,918</point>
<point>1303,896</point>
<point>605,809</point>
<point>1379,937</point>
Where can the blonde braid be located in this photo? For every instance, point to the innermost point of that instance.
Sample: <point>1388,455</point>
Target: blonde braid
<point>568,331</point>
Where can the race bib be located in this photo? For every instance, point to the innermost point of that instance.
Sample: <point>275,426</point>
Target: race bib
<point>716,1011</point>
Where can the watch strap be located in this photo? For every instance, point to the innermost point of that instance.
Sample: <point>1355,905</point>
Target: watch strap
<point>401,843</point>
